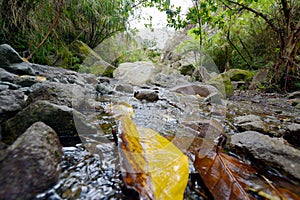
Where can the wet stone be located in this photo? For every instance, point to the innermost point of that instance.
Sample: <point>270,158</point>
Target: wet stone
<point>293,134</point>
<point>266,151</point>
<point>148,95</point>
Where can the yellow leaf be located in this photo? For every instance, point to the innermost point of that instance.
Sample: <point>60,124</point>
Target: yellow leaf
<point>152,165</point>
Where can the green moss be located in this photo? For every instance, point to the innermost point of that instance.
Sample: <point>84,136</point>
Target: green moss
<point>223,84</point>
<point>239,74</point>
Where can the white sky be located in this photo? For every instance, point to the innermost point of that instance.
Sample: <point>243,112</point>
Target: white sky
<point>159,19</point>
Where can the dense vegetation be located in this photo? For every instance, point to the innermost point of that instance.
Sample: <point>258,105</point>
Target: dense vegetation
<point>246,34</point>
<point>45,30</point>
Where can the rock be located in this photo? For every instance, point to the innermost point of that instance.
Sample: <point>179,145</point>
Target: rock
<point>187,69</point>
<point>31,163</point>
<point>28,81</point>
<point>204,128</point>
<point>8,55</point>
<point>293,134</point>
<point>67,122</point>
<point>92,61</point>
<point>83,51</point>
<point>246,118</point>
<point>11,86</point>
<point>237,84</point>
<point>148,95</point>
<point>196,89</point>
<point>127,88</point>
<point>104,88</point>
<point>3,87</point>
<point>7,76</point>
<point>294,102</point>
<point>223,84</point>
<point>250,123</point>
<point>11,61</point>
<point>88,78</point>
<point>238,74</point>
<point>137,73</point>
<point>268,151</point>
<point>259,77</point>
<point>170,81</point>
<point>70,95</point>
<point>11,102</point>
<point>294,95</point>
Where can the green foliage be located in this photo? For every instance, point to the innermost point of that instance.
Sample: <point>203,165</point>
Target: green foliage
<point>90,21</point>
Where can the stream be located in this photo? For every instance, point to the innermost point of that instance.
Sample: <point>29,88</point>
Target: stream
<point>92,170</point>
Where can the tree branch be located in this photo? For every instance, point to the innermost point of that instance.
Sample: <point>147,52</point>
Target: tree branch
<point>271,24</point>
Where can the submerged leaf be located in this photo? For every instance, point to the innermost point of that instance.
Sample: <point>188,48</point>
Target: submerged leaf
<point>228,178</point>
<point>151,164</point>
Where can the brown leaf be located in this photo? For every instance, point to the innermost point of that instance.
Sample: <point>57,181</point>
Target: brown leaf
<point>228,178</point>
<point>224,176</point>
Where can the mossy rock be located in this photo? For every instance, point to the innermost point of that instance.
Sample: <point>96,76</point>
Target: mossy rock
<point>82,50</point>
<point>99,68</point>
<point>239,75</point>
<point>187,70</point>
<point>223,84</point>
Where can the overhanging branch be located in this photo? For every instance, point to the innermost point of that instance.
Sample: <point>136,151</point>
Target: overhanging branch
<point>243,6</point>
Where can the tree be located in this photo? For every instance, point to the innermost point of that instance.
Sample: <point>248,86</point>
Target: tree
<point>281,16</point>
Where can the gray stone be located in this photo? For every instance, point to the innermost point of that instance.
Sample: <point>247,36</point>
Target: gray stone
<point>27,81</point>
<point>294,95</point>
<point>259,77</point>
<point>70,95</point>
<point>196,89</point>
<point>3,87</point>
<point>10,85</point>
<point>7,76</point>
<point>268,151</point>
<point>148,95</point>
<point>8,55</point>
<point>66,122</point>
<point>11,61</point>
<point>293,134</point>
<point>88,78</point>
<point>104,88</point>
<point>31,163</point>
<point>124,88</point>
<point>170,81</point>
<point>246,118</point>
<point>250,123</point>
<point>23,68</point>
<point>11,102</point>
<point>135,73</point>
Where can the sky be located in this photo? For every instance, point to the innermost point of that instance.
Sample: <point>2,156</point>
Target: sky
<point>159,19</point>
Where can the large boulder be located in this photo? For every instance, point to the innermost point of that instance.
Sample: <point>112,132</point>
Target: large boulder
<point>66,122</point>
<point>71,95</point>
<point>11,102</point>
<point>137,73</point>
<point>11,61</point>
<point>30,165</point>
<point>265,150</point>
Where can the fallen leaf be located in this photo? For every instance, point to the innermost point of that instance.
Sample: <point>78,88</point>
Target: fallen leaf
<point>228,178</point>
<point>150,163</point>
